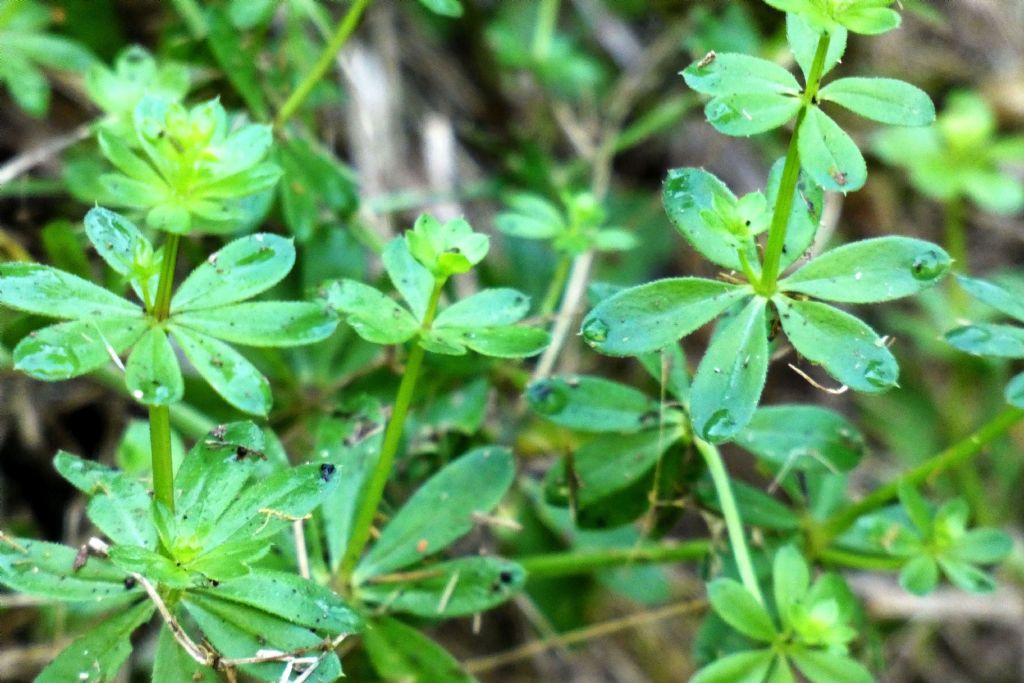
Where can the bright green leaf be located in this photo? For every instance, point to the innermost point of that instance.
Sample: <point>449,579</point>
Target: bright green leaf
<point>988,339</point>
<point>826,667</point>
<point>374,316</point>
<point>152,374</point>
<point>829,155</point>
<point>46,570</point>
<point>739,667</point>
<point>994,295</point>
<point>920,575</point>
<point>487,308</point>
<point>74,348</point>
<point>53,293</point>
<point>886,100</point>
<point>803,41</point>
<point>412,280</point>
<point>803,438</point>
<point>233,377</point>
<point>402,654</point>
<point>592,404</point>
<point>746,114</point>
<point>791,580</point>
<point>731,74</point>
<point>741,610</point>
<point>263,323</point>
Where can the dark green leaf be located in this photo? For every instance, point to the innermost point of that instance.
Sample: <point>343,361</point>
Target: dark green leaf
<point>731,376</point>
<point>756,507</point>
<point>55,294</point>
<point>651,316</point>
<point>263,323</point>
<point>314,178</point>
<point>239,271</point>
<point>829,155</point>
<point>173,664</point>
<point>449,589</point>
<point>97,656</point>
<point>237,62</point>
<point>802,437</point>
<point>233,377</point>
<point>886,100</point>
<point>441,511</point>
<point>844,345</point>
<point>592,404</point>
<point>401,654</point>
<point>74,348</point>
<point>448,8</point>
<point>879,269</point>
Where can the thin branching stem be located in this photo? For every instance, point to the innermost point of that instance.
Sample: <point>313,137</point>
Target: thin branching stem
<point>585,561</point>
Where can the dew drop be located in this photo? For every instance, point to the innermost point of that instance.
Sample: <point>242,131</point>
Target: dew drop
<point>720,425</point>
<point>547,397</point>
<point>928,266</point>
<point>880,374</point>
<point>595,331</point>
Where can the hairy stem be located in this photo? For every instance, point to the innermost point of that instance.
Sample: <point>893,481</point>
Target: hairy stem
<point>731,513</point>
<point>574,562</point>
<point>341,35</point>
<point>954,456</point>
<point>790,176</point>
<point>389,448</point>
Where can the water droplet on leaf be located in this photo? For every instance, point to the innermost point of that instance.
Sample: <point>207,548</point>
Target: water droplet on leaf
<point>595,331</point>
<point>547,397</point>
<point>880,374</point>
<point>928,266</point>
<point>720,425</point>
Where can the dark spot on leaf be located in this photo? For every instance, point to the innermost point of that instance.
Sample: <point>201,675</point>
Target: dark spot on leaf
<point>129,582</point>
<point>326,471</point>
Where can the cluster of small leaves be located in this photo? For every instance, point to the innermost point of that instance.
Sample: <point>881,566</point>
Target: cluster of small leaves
<point>231,502</point>
<point>752,95</point>
<point>997,340</point>
<point>207,310</point>
<point>197,174</point>
<point>960,156</point>
<point>419,264</point>
<point>930,538</point>
<point>869,17</point>
<point>811,632</point>
<point>574,230</point>
<point>28,49</point>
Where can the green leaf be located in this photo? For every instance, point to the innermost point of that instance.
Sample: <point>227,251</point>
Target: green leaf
<point>412,280</point>
<point>781,672</point>
<point>401,654</point>
<point>731,376</point>
<point>125,249</point>
<point>994,295</point>
<point>441,511</point>
<point>1014,392</point>
<point>239,271</point>
<point>314,179</point>
<point>695,201</point>
<point>26,83</point>
<point>152,374</point>
<point>804,217</point>
<point>118,505</point>
<point>97,656</point>
<point>157,568</point>
<point>829,155</point>
<point>870,20</point>
<point>756,507</point>
<point>844,345</point>
<point>294,599</point>
<point>74,348</point>
<point>239,631</point>
<point>745,114</point>
<point>825,667</point>
<point>448,8</point>
<point>651,316</point>
<point>237,62</point>
<point>233,377</point>
<point>966,577</point>
<point>886,100</point>
<point>920,575</point>
<point>741,610</point>
<point>269,505</point>
<point>502,341</point>
<point>374,316</point>
<point>872,270</point>
<point>731,74</point>
<point>791,580</point>
<point>982,546</point>
<point>172,663</point>
<point>802,438</point>
<point>212,475</point>
<point>455,588</point>
<point>485,309</point>
<point>803,41</point>
<point>448,248</point>
<point>352,445</point>
<point>988,339</point>
<point>46,570</point>
<point>532,217</point>
<point>592,404</point>
<point>740,667</point>
<point>117,152</point>
<point>263,323</point>
<point>916,507</point>
<point>53,293</point>
<point>608,465</point>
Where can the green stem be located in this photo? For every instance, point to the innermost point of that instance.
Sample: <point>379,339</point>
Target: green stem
<point>790,177</point>
<point>955,235</point>
<point>192,14</point>
<point>547,18</point>
<point>159,416</point>
<point>859,561</point>
<point>341,35</point>
<point>575,562</point>
<point>954,456</point>
<point>731,513</point>
<point>160,442</point>
<point>554,293</point>
<point>374,490</point>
